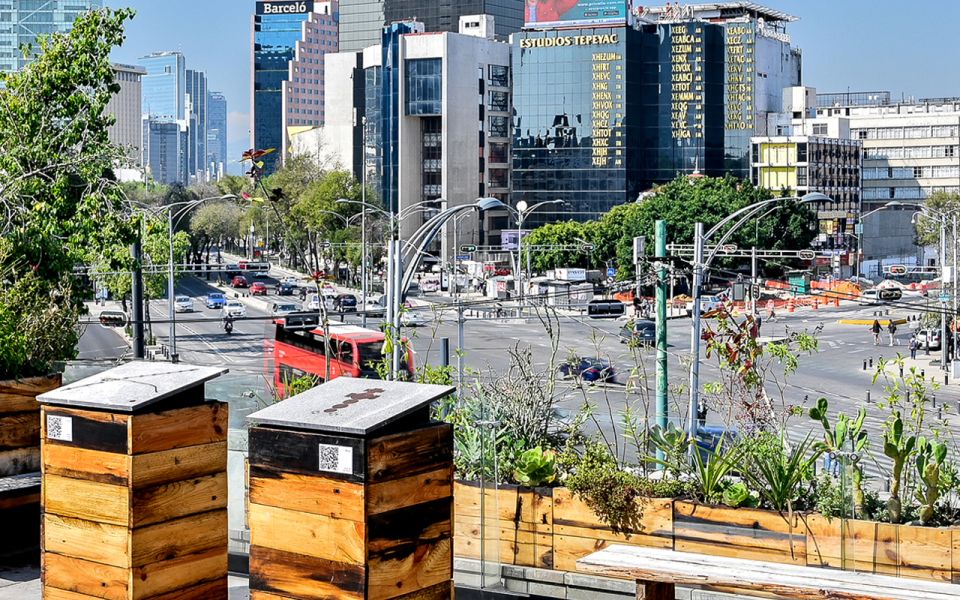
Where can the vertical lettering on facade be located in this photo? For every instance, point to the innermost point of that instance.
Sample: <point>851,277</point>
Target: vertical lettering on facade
<point>686,82</point>
<point>740,71</point>
<point>607,112</point>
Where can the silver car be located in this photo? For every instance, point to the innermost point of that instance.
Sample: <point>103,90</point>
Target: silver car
<point>235,309</point>
<point>183,304</point>
<point>284,308</point>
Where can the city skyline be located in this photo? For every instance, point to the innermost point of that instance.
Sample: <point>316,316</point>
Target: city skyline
<point>823,33</point>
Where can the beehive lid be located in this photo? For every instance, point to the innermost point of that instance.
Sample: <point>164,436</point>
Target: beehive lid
<point>131,387</point>
<point>348,405</point>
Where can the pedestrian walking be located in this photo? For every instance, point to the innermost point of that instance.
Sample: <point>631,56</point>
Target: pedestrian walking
<point>876,329</point>
<point>892,329</point>
<point>913,347</point>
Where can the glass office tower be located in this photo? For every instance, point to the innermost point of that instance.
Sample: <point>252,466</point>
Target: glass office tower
<point>22,21</point>
<point>164,86</point>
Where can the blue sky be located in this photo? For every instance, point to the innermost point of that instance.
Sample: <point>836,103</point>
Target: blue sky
<point>908,48</point>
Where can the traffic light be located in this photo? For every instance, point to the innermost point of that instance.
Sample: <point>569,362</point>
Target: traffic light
<point>113,318</point>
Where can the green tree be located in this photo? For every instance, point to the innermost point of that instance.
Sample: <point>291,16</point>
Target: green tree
<point>58,195</point>
<point>928,229</point>
<point>559,245</point>
<point>215,223</point>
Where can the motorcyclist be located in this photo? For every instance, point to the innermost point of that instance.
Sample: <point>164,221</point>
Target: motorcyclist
<point>228,324</point>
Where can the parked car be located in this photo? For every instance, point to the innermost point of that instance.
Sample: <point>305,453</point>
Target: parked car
<point>286,289</point>
<point>183,304</point>
<point>280,309</point>
<point>928,339</point>
<point>707,304</point>
<point>235,309</point>
<point>588,369</point>
<point>239,282</point>
<point>345,303</point>
<point>215,300</point>
<point>412,318</point>
<point>258,288</point>
<point>641,332</point>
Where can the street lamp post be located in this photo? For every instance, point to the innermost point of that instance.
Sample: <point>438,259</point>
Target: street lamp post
<point>522,211</point>
<point>700,264</point>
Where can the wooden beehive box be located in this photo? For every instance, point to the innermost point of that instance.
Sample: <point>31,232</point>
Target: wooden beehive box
<point>135,486</point>
<point>351,494</point>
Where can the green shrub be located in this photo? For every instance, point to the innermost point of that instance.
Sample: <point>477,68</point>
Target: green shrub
<point>536,467</point>
<point>738,494</point>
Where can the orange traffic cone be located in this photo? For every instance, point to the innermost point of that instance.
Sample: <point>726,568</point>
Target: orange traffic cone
<point>816,303</point>
<point>791,305</point>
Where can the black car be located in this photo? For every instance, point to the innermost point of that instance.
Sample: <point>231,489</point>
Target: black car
<point>286,289</point>
<point>345,303</point>
<point>587,369</point>
<point>641,332</point>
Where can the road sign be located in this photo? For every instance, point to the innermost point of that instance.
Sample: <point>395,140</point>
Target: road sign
<point>611,272</point>
<point>463,257</point>
<point>898,269</point>
<point>728,248</point>
<point>468,248</point>
<point>807,255</point>
<point>945,298</point>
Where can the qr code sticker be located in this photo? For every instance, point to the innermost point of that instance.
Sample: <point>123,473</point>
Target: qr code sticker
<point>336,459</point>
<point>59,428</point>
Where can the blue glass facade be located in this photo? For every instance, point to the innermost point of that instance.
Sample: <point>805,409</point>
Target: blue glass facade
<point>275,36</point>
<point>23,21</point>
<point>164,86</point>
<point>424,87</point>
<point>390,112</point>
<point>372,148</point>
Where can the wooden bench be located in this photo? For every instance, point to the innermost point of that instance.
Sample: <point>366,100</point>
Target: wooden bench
<point>657,571</point>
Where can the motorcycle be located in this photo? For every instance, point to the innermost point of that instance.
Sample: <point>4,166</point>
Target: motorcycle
<point>228,326</point>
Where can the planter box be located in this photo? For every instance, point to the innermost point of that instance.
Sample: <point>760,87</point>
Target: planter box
<point>20,423</point>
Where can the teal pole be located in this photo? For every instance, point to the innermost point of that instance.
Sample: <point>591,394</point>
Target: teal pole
<point>661,245</point>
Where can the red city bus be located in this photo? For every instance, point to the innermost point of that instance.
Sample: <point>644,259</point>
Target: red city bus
<point>354,352</point>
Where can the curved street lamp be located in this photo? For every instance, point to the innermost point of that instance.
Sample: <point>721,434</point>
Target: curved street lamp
<point>700,265</point>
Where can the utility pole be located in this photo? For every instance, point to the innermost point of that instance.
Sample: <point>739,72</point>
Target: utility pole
<point>754,284</point>
<point>698,267</point>
<point>136,300</point>
<point>944,348</point>
<point>460,342</point>
<point>661,247</point>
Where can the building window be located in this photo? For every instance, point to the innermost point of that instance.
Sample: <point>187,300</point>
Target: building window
<point>424,84</point>
<point>499,101</point>
<point>917,172</point>
<point>499,127</point>
<point>498,153</point>
<point>801,153</point>
<point>499,178</point>
<point>499,76</point>
<point>819,129</point>
<point>801,176</point>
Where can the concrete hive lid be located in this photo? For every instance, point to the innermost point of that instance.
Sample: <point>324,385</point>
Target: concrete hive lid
<point>349,405</point>
<point>131,387</point>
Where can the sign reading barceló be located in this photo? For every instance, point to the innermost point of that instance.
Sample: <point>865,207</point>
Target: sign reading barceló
<point>285,8</point>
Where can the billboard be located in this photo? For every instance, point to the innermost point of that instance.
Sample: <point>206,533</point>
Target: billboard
<point>561,13</point>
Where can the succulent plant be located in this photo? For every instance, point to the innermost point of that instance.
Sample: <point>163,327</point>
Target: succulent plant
<point>930,457</point>
<point>536,467</point>
<point>898,448</point>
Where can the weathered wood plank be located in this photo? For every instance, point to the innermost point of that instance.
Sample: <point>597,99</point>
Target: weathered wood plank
<point>572,517</point>
<point>393,575</point>
<point>211,590</point>
<point>406,491</point>
<point>514,546</point>
<point>497,502</point>
<point>92,430</point>
<point>410,453</point>
<point>165,430</point>
<point>156,468</point>
<point>90,500</point>
<point>19,430</point>
<point>168,577</point>
<point>313,494</point>
<point>178,499</point>
<point>85,577</point>
<point>409,549</point>
<point>20,460</point>
<point>21,395</point>
<point>441,591</point>
<point>336,540</point>
<point>87,540</point>
<point>298,452</point>
<point>90,465</point>
<point>192,535</point>
<point>52,593</point>
<point>291,575</point>
<point>955,538</point>
<point>799,582</point>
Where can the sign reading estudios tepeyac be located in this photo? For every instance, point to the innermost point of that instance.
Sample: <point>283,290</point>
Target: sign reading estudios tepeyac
<point>284,7</point>
<point>550,13</point>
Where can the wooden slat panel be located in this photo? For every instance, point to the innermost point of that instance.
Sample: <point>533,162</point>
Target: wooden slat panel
<point>515,547</point>
<point>85,577</point>
<point>20,430</point>
<point>409,453</point>
<point>407,491</point>
<point>298,452</point>
<point>91,465</point>
<point>336,540</point>
<point>956,554</point>
<point>441,591</point>
<point>89,500</point>
<point>165,577</point>
<point>156,468</point>
<point>211,590</point>
<point>52,593</point>
<point>925,553</point>
<point>572,517</point>
<point>313,494</point>
<point>178,499</point>
<point>88,540</point>
<point>21,395</point>
<point>178,428</point>
<point>181,537</point>
<point>403,573</point>
<point>20,460</point>
<point>93,430</point>
<point>501,501</point>
<point>290,575</point>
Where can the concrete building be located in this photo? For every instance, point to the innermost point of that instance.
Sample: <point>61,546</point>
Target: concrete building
<point>911,149</point>
<point>290,40</point>
<point>126,106</point>
<point>362,21</point>
<point>217,134</point>
<point>23,21</point>
<point>165,150</point>
<point>196,110</point>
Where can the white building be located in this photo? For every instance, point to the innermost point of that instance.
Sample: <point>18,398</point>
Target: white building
<point>125,106</point>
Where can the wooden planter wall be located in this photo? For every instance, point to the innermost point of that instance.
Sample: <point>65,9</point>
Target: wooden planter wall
<point>551,529</point>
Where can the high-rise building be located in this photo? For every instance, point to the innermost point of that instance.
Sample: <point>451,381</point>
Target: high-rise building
<point>911,149</point>
<point>290,39</point>
<point>165,150</point>
<point>217,134</point>
<point>362,21</point>
<point>164,86</point>
<point>126,106</point>
<point>22,21</point>
<point>197,118</point>
<point>608,104</point>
